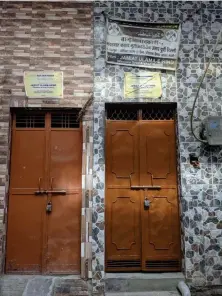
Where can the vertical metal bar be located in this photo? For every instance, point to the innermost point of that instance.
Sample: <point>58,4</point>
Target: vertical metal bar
<point>140,114</point>
<point>46,185</point>
<point>13,121</point>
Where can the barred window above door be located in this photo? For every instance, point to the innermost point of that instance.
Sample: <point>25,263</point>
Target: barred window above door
<point>64,120</point>
<point>27,120</point>
<point>146,111</point>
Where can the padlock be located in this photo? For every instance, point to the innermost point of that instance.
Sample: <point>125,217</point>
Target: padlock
<point>49,207</point>
<point>146,203</point>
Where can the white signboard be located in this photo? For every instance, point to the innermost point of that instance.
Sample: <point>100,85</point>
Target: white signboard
<point>142,45</point>
<point>43,84</point>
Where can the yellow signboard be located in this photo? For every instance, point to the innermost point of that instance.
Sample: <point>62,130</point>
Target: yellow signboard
<point>43,84</point>
<point>142,85</point>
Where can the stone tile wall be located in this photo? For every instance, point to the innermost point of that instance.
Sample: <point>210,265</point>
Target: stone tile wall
<point>46,36</point>
<point>201,199</point>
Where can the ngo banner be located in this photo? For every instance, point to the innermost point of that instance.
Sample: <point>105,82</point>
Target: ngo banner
<point>142,45</point>
<point>43,84</point>
<point>142,85</point>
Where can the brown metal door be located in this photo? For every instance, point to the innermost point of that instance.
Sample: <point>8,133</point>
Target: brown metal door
<point>45,160</point>
<point>141,165</point>
<point>123,225</point>
<point>160,220</point>
<point>26,210</point>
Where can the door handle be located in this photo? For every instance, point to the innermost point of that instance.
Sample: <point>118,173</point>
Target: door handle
<point>49,207</point>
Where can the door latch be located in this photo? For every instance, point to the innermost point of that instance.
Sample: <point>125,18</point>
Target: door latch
<point>49,207</point>
<point>146,203</point>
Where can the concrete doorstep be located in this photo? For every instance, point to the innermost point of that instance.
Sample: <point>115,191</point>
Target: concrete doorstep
<point>156,293</point>
<point>161,283</point>
<point>42,286</point>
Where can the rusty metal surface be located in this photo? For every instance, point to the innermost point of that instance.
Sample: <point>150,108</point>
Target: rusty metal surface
<point>63,224</point>
<point>26,211</point>
<point>46,167</point>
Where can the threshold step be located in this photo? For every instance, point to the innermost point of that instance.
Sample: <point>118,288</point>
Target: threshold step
<point>141,275</point>
<point>155,293</point>
<point>142,282</point>
<point>40,285</point>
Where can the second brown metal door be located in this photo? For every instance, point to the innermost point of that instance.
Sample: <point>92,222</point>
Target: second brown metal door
<point>43,233</point>
<point>142,215</point>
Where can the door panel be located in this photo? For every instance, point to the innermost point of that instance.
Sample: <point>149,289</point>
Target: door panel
<point>158,153</point>
<point>66,159</point>
<point>121,153</point>
<point>160,227</point>
<point>28,160</point>
<point>63,244</point>
<point>160,167</point>
<point>24,244</point>
<point>64,222</point>
<point>26,210</point>
<point>123,228</point>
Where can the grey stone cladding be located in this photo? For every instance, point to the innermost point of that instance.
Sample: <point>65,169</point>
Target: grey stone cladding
<point>201,189</point>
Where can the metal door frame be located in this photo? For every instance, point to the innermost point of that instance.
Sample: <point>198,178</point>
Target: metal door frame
<point>137,107</point>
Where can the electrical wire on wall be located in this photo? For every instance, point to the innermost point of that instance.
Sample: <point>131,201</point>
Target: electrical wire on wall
<point>199,86</point>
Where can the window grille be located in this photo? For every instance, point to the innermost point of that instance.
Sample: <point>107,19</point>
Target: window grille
<point>148,111</point>
<point>64,120</point>
<point>26,120</point>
